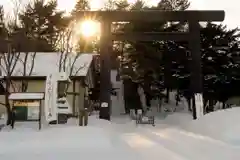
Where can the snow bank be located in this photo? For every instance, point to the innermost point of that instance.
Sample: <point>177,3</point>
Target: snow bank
<point>223,125</point>
<point>178,119</point>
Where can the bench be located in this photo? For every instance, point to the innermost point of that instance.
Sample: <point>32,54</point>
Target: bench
<point>141,119</point>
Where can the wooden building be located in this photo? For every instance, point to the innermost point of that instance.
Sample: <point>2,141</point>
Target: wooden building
<point>80,66</point>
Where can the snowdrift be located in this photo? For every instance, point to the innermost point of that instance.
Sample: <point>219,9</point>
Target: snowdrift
<point>177,119</point>
<point>222,125</point>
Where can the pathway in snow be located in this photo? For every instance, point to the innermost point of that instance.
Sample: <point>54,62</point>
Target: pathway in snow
<point>171,142</point>
<point>189,145</point>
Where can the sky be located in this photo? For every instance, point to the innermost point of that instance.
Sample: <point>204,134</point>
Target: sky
<point>229,6</point>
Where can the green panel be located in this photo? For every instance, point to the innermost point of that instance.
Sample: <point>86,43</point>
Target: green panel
<point>21,113</point>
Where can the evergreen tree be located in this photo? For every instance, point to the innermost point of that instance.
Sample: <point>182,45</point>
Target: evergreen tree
<point>149,62</point>
<point>42,22</point>
<point>81,5</point>
<point>220,48</point>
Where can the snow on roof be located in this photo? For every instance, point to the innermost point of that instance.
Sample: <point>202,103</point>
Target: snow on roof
<point>46,63</point>
<point>27,96</point>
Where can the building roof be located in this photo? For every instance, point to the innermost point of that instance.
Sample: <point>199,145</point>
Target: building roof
<point>47,63</point>
<point>26,96</point>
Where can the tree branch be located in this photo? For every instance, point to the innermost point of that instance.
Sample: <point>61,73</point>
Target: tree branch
<point>2,104</point>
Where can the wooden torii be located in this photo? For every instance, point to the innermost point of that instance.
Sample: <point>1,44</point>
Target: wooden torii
<point>192,36</point>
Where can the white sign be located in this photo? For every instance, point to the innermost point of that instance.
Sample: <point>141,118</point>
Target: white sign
<point>104,105</point>
<point>139,112</point>
<point>33,113</point>
<point>199,105</point>
<point>50,105</point>
<point>144,119</point>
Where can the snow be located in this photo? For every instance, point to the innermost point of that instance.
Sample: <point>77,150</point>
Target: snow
<point>61,144</point>
<point>222,125</point>
<point>175,137</point>
<point>177,119</point>
<point>46,63</point>
<point>28,96</point>
<point>112,140</point>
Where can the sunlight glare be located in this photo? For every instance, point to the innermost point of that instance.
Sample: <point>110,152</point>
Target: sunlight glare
<point>89,28</point>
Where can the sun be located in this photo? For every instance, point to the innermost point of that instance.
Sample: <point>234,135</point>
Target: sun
<point>89,28</point>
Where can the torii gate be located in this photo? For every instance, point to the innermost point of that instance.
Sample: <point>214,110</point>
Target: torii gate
<point>193,37</point>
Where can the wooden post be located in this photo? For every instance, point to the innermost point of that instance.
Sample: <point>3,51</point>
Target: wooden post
<point>74,98</point>
<point>196,61</point>
<point>105,75</point>
<point>81,102</point>
<point>40,116</point>
<point>83,117</point>
<point>79,105</point>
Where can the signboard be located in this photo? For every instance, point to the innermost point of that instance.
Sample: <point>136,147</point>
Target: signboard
<point>33,113</point>
<point>27,110</point>
<point>50,105</point>
<point>27,106</point>
<point>26,103</point>
<point>144,119</point>
<point>104,105</point>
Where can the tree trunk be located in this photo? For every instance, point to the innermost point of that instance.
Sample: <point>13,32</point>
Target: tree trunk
<point>159,109</point>
<point>210,107</point>
<point>194,110</point>
<point>148,100</point>
<point>167,95</point>
<point>224,105</point>
<point>131,96</point>
<point>24,86</point>
<point>74,98</point>
<point>189,104</point>
<point>8,108</point>
<point>177,97</point>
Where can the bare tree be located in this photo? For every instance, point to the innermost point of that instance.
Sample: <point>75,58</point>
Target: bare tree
<point>11,56</point>
<point>24,44</point>
<point>65,47</point>
<point>67,43</point>
<point>67,57</point>
<point>17,4</point>
<point>27,60</point>
<point>8,64</point>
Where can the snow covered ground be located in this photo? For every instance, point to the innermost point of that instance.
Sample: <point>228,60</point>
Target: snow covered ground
<point>222,125</point>
<point>213,137</point>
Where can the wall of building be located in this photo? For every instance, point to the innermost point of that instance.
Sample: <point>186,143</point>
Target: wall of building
<point>118,99</point>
